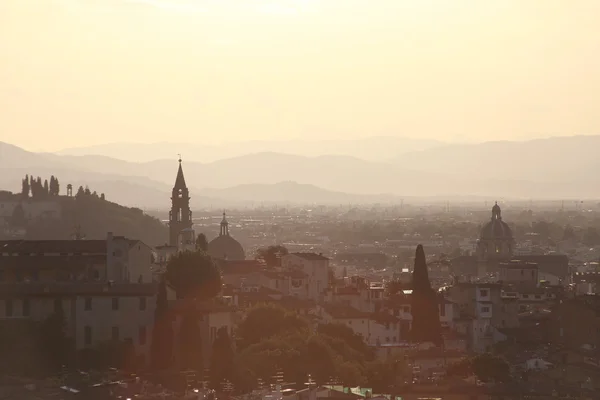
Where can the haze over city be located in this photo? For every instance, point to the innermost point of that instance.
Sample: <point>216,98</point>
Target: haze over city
<point>299,199</point>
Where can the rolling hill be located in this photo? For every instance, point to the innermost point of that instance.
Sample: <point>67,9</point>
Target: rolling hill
<point>562,168</point>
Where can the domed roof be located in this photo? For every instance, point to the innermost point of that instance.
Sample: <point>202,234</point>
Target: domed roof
<point>227,248</point>
<point>224,246</point>
<point>496,228</point>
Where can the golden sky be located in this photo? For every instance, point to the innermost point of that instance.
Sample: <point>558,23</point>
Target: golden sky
<point>81,72</point>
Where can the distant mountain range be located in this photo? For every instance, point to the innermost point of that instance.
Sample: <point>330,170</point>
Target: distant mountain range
<point>558,168</point>
<point>377,148</point>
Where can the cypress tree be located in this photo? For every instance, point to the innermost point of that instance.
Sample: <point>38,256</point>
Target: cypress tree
<point>46,188</point>
<point>25,187</point>
<point>190,342</point>
<point>221,360</point>
<point>425,315</point>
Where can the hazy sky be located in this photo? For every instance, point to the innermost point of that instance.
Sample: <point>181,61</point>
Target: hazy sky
<point>79,72</point>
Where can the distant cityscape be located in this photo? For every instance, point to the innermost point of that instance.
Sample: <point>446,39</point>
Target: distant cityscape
<point>501,301</point>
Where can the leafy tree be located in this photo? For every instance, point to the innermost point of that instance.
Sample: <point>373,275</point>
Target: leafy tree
<point>194,275</point>
<point>190,343</point>
<point>320,360</point>
<point>222,363</point>
<point>87,191</point>
<point>487,367</point>
<point>25,188</point>
<point>201,242</point>
<point>161,349</point>
<point>426,322</point>
<point>102,197</point>
<point>271,255</point>
<point>266,321</point>
<point>348,344</point>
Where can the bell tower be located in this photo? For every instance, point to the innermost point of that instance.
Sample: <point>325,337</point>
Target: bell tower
<point>180,216</point>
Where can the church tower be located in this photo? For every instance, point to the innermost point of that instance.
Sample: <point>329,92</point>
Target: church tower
<point>180,216</point>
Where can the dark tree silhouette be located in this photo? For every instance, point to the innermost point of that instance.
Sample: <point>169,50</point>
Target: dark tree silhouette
<point>87,191</point>
<point>162,332</point>
<point>25,188</point>
<point>222,365</point>
<point>190,343</point>
<point>201,242</point>
<point>46,188</point>
<point>54,343</point>
<point>54,186</point>
<point>271,255</point>
<point>194,275</point>
<point>426,321</point>
<point>102,197</point>
<point>80,192</point>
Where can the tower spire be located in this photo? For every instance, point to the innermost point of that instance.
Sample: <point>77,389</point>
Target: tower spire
<point>180,217</point>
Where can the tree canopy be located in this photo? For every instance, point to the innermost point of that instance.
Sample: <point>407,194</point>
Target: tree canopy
<point>272,340</point>
<point>194,275</point>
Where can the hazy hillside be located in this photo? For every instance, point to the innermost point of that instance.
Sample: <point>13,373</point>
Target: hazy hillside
<point>93,217</point>
<point>552,168</point>
<point>546,160</point>
<point>374,148</point>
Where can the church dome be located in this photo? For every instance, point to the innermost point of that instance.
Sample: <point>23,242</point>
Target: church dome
<point>227,248</point>
<point>224,246</point>
<point>496,228</point>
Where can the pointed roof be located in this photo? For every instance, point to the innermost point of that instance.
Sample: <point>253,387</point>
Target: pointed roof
<point>180,180</point>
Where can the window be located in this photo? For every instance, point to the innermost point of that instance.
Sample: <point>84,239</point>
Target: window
<point>483,292</point>
<point>142,303</point>
<point>142,335</point>
<point>88,304</point>
<point>115,333</point>
<point>26,308</point>
<point>406,309</point>
<point>87,335</point>
<point>522,272</point>
<point>115,303</point>
<point>213,333</point>
<point>8,308</point>
<point>35,276</point>
<point>525,296</point>
<point>442,310</point>
<point>1,275</point>
<point>537,296</point>
<point>485,309</point>
<point>18,276</point>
